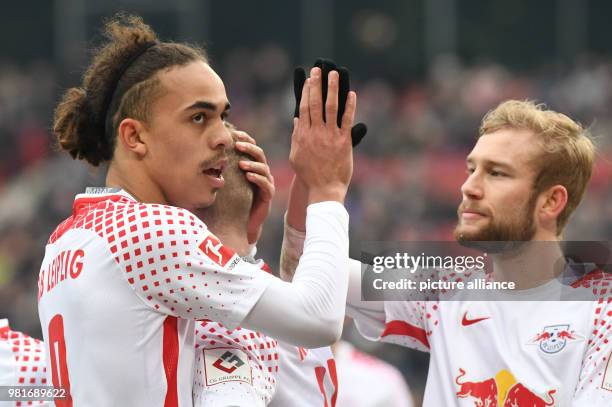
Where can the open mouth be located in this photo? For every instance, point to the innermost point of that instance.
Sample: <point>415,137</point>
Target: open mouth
<point>216,169</point>
<point>214,172</point>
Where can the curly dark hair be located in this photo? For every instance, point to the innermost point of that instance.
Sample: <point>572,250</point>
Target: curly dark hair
<point>120,82</point>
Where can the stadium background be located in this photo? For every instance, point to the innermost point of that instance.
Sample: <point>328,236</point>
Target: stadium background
<point>425,71</point>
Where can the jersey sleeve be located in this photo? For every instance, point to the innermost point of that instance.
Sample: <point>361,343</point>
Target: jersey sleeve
<point>178,267</point>
<point>595,383</point>
<point>23,364</point>
<point>233,367</point>
<point>406,323</point>
<point>235,394</point>
<point>216,385</point>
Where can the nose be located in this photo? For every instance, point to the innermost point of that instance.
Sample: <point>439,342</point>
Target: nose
<point>221,137</point>
<point>472,187</point>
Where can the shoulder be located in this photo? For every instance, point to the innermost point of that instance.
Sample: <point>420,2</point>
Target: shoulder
<point>123,216</point>
<point>599,282</point>
<point>29,356</point>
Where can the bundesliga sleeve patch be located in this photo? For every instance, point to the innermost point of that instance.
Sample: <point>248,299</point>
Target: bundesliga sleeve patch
<point>215,251</point>
<point>226,365</point>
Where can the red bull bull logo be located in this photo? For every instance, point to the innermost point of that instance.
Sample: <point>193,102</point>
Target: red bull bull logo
<point>501,391</point>
<point>553,338</point>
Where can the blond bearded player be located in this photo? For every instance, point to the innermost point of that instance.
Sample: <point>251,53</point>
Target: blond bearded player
<point>526,175</point>
<point>127,274</point>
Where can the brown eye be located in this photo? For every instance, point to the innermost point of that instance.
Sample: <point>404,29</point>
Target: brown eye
<point>198,118</point>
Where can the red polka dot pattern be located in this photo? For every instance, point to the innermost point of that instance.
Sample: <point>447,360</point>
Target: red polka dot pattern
<point>28,360</point>
<point>170,259</point>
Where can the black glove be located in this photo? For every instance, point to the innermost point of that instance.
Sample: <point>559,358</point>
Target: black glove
<point>359,130</point>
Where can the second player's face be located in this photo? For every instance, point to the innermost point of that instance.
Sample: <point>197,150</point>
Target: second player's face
<point>498,197</point>
<point>187,136</point>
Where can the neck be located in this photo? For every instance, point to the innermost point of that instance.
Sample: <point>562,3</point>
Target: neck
<point>233,236</point>
<point>532,264</point>
<point>136,183</point>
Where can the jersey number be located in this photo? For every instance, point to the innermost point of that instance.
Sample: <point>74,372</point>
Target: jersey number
<point>59,369</point>
<point>320,373</point>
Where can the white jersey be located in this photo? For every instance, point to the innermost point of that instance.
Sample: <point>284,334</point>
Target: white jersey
<point>234,367</point>
<point>22,362</point>
<point>367,381</point>
<point>498,353</point>
<point>307,377</point>
<point>120,288</point>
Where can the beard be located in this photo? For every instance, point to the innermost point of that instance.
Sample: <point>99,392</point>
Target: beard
<point>501,234</point>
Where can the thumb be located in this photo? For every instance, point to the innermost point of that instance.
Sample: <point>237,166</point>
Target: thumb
<point>358,132</point>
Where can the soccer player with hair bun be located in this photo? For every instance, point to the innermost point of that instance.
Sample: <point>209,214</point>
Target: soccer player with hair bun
<point>126,276</point>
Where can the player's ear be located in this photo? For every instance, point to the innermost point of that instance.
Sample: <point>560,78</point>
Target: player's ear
<point>131,135</point>
<point>552,202</point>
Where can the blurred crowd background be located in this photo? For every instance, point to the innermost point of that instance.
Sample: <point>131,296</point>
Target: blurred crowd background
<point>426,71</point>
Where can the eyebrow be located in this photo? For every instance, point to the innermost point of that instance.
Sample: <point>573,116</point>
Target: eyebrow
<point>202,104</point>
<point>491,163</point>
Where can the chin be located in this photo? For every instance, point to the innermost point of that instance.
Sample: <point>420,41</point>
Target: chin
<point>466,233</point>
<point>207,201</point>
<point>196,202</point>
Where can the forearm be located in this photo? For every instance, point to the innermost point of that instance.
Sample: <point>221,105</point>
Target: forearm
<point>293,244</point>
<point>294,231</point>
<point>310,311</point>
<point>291,250</point>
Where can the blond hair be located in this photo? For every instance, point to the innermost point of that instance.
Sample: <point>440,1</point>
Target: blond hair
<point>566,154</point>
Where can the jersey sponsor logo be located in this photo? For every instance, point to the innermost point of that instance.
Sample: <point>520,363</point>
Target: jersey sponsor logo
<point>228,362</point>
<point>501,390</point>
<point>226,365</point>
<point>214,250</point>
<point>467,322</point>
<point>607,377</point>
<point>552,339</point>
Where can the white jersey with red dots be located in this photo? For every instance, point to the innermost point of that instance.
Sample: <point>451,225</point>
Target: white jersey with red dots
<point>22,363</point>
<point>506,353</point>
<point>234,367</point>
<point>120,288</point>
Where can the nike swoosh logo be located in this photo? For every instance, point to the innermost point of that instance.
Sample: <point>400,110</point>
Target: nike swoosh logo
<point>466,322</point>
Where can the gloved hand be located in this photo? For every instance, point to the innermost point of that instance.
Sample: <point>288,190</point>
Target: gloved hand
<point>359,130</point>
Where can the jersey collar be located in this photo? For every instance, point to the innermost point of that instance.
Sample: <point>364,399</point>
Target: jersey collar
<point>94,195</point>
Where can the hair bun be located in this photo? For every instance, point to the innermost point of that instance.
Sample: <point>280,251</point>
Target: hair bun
<point>78,128</point>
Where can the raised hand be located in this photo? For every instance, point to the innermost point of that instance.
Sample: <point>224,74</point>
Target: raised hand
<point>358,131</point>
<point>321,153</point>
